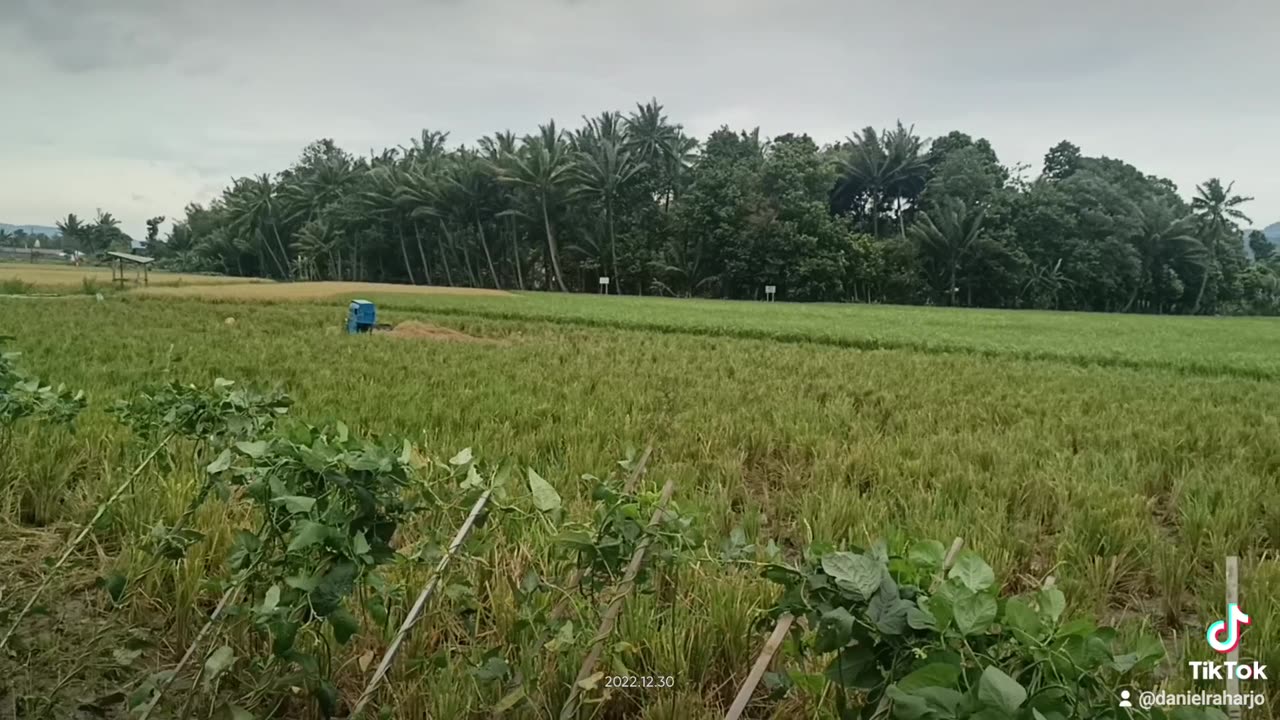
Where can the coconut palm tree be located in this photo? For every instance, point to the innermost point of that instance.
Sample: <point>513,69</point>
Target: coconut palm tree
<point>1217,210</point>
<point>498,151</point>
<point>72,230</point>
<point>879,166</point>
<point>471,188</point>
<point>380,198</point>
<point>946,234</point>
<point>251,206</point>
<point>544,168</point>
<point>602,172</point>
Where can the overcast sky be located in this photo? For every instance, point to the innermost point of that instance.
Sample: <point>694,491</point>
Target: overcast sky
<point>140,106</point>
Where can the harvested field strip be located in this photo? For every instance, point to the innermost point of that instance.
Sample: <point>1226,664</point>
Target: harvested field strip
<point>303,291</point>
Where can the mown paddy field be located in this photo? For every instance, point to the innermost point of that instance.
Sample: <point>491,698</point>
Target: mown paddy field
<point>1125,456</point>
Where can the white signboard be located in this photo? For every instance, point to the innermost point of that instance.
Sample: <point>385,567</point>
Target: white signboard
<point>604,280</point>
<point>769,292</point>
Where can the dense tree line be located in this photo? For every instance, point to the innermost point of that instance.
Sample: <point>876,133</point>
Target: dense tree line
<point>884,216</point>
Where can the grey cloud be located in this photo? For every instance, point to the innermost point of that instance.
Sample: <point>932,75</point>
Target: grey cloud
<point>197,91</point>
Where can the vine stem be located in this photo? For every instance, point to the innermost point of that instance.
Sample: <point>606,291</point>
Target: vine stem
<point>415,613</point>
<point>614,610</point>
<point>102,509</point>
<point>227,598</point>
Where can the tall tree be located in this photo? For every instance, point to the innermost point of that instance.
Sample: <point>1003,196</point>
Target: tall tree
<point>603,171</point>
<point>72,230</point>
<point>545,168</point>
<point>1217,210</point>
<point>946,234</point>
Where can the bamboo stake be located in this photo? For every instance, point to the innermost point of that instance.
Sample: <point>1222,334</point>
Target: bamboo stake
<point>950,559</point>
<point>419,605</point>
<point>614,609</point>
<point>1235,712</point>
<point>102,509</point>
<point>575,579</point>
<point>227,598</point>
<point>762,664</point>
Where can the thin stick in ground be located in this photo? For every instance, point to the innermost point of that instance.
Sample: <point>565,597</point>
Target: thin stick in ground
<point>415,613</point>
<point>761,665</point>
<point>79,538</point>
<point>614,610</point>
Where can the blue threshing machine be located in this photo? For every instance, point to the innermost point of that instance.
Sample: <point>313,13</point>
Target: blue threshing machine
<point>361,317</point>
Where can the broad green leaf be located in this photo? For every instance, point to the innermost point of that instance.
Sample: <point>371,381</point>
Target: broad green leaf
<point>942,675</point>
<point>920,619</point>
<point>221,463</point>
<point>563,640</point>
<point>359,545</point>
<point>927,555</point>
<point>889,612</point>
<point>255,449</point>
<point>283,633</point>
<point>545,497</point>
<point>1052,603</point>
<point>972,571</point>
<point>462,458</point>
<point>835,630</point>
<point>854,667</point>
<point>857,574</point>
<point>309,533</point>
<point>270,601</point>
<point>334,585</point>
<point>973,614</point>
<point>473,478</point>
<point>295,504</point>
<point>495,668</point>
<point>217,663</point>
<point>999,691</point>
<point>907,706</point>
<point>1018,615</point>
<point>344,625</point>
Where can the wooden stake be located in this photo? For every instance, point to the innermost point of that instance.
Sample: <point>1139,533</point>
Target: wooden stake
<point>102,509</point>
<point>614,610</point>
<point>762,664</point>
<point>947,561</point>
<point>419,605</point>
<point>575,579</point>
<point>1233,598</point>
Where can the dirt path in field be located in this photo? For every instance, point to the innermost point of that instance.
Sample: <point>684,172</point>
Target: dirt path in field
<point>309,291</point>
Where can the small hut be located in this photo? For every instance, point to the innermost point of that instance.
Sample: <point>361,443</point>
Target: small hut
<point>140,262</point>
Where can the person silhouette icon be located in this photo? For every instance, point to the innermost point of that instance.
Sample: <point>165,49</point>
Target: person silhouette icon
<point>1124,699</point>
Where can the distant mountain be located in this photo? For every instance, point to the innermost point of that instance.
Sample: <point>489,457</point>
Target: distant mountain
<point>32,229</point>
<point>1272,232</point>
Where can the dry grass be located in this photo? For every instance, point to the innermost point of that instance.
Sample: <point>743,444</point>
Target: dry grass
<point>311,291</point>
<point>68,276</point>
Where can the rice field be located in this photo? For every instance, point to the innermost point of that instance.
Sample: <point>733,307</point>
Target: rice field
<point>1125,456</point>
<point>52,278</point>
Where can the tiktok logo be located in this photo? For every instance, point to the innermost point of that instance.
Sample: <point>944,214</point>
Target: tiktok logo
<point>1224,635</point>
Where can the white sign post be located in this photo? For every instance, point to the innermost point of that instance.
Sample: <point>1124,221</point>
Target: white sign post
<point>604,284</point>
<point>770,292</point>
